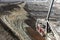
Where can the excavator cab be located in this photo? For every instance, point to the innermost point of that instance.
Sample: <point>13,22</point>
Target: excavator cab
<point>39,11</point>
<point>49,27</point>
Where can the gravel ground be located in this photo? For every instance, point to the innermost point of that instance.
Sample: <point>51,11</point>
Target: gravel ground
<point>5,35</point>
<point>13,13</point>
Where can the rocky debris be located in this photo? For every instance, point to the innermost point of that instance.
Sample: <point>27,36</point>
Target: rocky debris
<point>6,34</point>
<point>15,21</point>
<point>36,7</point>
<point>41,14</point>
